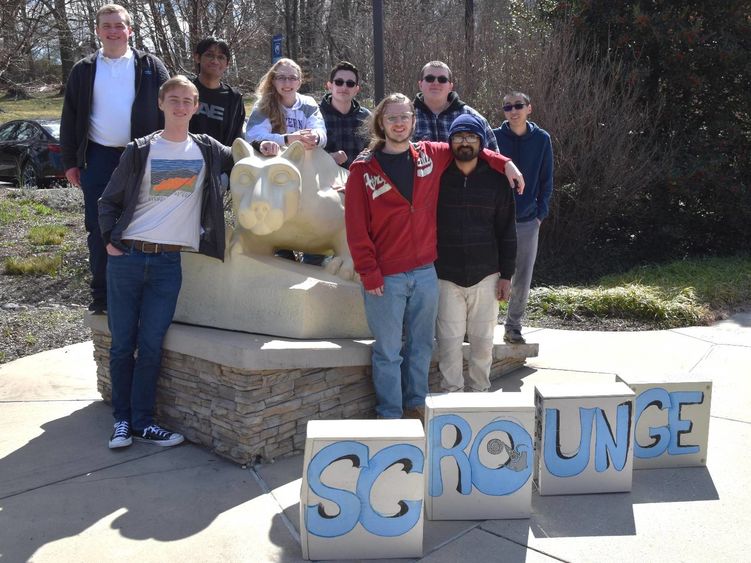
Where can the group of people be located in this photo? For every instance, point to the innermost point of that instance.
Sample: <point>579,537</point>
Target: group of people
<point>442,212</point>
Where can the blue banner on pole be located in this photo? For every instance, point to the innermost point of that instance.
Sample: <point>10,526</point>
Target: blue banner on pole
<point>276,48</point>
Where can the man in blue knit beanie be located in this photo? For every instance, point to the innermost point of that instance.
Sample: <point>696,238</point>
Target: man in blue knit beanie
<point>476,256</point>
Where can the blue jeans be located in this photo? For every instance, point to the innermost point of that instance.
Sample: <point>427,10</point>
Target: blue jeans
<point>409,305</point>
<point>101,162</point>
<point>527,234</point>
<point>142,292</point>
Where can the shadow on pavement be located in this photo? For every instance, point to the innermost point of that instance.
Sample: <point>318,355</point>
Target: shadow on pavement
<point>66,481</point>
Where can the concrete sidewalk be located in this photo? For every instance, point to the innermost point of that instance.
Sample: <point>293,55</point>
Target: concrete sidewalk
<point>65,497</point>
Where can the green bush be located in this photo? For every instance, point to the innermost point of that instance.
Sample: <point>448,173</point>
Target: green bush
<point>33,265</point>
<point>46,235</point>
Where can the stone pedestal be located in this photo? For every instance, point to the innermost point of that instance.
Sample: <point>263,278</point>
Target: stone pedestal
<point>248,397</point>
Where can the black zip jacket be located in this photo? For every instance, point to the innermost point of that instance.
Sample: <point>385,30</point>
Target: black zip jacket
<point>145,116</point>
<point>476,225</point>
<point>118,202</point>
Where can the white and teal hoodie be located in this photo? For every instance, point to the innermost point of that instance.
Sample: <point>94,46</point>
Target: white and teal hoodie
<point>304,114</point>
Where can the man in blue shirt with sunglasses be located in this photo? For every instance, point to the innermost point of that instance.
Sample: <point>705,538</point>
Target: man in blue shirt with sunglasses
<point>530,148</point>
<point>437,106</point>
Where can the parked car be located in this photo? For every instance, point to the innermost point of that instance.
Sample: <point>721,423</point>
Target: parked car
<point>30,154</point>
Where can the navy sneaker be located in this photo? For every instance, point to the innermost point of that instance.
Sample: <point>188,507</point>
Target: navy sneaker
<point>98,306</point>
<point>121,437</point>
<point>159,436</point>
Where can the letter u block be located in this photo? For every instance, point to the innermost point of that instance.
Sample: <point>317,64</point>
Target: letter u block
<point>362,489</point>
<point>480,456</point>
<point>583,438</point>
<point>671,419</point>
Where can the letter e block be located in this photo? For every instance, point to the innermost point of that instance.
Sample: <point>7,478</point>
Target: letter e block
<point>480,456</point>
<point>362,489</point>
<point>583,438</point>
<point>671,419</point>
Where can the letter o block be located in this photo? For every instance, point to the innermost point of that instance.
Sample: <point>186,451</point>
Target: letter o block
<point>584,438</point>
<point>362,489</point>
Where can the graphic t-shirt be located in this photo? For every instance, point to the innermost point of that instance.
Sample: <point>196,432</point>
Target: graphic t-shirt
<point>168,210</point>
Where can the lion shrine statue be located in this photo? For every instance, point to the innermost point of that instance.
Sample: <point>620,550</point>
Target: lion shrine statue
<point>294,200</point>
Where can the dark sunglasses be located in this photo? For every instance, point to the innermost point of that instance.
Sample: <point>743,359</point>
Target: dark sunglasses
<point>517,105</point>
<point>430,78</point>
<point>342,82</point>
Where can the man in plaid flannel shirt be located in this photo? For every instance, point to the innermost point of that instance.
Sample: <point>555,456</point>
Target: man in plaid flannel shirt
<point>437,105</point>
<point>344,117</point>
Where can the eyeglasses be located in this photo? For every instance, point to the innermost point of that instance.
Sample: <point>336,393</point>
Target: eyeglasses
<point>213,57</point>
<point>468,139</point>
<point>517,105</point>
<point>283,78</point>
<point>430,78</point>
<point>342,82</point>
<point>397,117</point>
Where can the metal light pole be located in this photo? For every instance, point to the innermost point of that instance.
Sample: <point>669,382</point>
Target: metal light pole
<point>378,49</point>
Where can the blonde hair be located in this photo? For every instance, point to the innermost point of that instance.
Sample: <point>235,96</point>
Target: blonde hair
<point>177,82</point>
<point>268,99</point>
<point>114,9</point>
<point>375,121</point>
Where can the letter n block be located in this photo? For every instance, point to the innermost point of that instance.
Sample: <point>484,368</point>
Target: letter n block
<point>671,420</point>
<point>362,489</point>
<point>583,439</point>
<point>480,456</point>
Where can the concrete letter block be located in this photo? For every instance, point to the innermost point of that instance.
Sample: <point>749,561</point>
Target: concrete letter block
<point>671,420</point>
<point>583,439</point>
<point>480,456</point>
<point>362,489</point>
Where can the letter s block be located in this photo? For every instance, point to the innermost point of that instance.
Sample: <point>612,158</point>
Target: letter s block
<point>671,419</point>
<point>362,489</point>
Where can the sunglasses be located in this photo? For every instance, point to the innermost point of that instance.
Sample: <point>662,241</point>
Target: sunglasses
<point>430,78</point>
<point>517,105</point>
<point>342,82</point>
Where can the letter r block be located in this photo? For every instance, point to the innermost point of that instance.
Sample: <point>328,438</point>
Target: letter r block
<point>480,456</point>
<point>362,489</point>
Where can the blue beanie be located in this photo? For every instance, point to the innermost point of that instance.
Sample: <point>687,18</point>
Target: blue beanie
<point>469,123</point>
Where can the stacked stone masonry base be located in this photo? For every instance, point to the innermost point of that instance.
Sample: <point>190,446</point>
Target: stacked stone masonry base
<point>248,397</point>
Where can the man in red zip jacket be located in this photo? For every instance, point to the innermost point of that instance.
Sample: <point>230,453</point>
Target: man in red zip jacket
<point>390,214</point>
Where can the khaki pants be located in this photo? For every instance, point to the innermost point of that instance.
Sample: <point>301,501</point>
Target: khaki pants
<point>474,311</point>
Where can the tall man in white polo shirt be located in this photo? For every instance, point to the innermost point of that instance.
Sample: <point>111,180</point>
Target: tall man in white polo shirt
<point>110,99</point>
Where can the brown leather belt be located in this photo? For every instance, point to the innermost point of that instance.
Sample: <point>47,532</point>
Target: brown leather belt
<point>151,247</point>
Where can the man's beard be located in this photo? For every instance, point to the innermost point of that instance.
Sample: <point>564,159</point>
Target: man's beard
<point>465,153</point>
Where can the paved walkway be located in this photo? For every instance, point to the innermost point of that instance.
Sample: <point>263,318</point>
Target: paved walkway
<point>65,497</point>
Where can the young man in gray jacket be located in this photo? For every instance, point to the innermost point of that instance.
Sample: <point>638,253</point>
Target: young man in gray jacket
<point>165,195</point>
